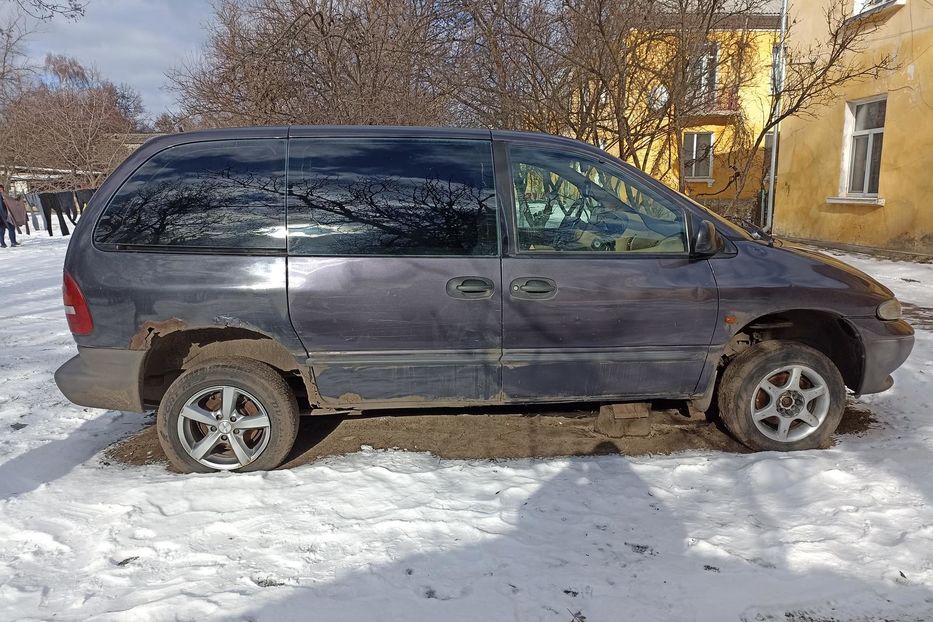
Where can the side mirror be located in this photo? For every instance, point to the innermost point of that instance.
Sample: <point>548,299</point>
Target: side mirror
<point>707,241</point>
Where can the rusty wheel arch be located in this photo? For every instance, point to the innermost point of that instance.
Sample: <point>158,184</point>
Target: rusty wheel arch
<point>170,354</point>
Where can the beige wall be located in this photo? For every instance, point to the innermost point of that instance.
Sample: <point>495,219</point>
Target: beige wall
<point>810,168</point>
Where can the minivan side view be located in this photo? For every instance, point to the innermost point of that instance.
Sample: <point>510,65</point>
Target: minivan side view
<point>237,278</point>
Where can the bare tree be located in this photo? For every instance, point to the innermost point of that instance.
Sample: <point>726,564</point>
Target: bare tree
<point>14,71</point>
<point>47,9</point>
<point>625,74</point>
<point>72,121</point>
<point>619,73</point>
<point>814,74</point>
<point>298,61</point>
<point>14,66</point>
<point>169,122</point>
<point>632,76</point>
<point>628,75</point>
<point>503,80</point>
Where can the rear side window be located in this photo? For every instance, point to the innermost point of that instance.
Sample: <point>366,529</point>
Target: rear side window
<point>226,194</point>
<point>391,197</point>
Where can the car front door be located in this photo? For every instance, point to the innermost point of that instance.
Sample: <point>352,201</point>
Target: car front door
<point>601,298</point>
<point>393,269</point>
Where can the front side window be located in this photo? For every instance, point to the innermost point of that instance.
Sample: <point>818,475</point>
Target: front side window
<point>227,194</point>
<point>565,202</point>
<point>865,147</point>
<point>391,197</point>
<point>698,155</point>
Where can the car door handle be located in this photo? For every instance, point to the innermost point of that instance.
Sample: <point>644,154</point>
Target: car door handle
<point>533,288</point>
<point>470,287</point>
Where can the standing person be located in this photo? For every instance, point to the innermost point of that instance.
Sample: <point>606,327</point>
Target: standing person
<point>16,207</point>
<point>6,221</point>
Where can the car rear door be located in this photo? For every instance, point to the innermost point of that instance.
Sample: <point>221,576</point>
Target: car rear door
<point>394,270</point>
<point>602,299</point>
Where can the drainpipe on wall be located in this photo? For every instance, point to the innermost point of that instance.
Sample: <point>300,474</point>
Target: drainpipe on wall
<point>778,87</point>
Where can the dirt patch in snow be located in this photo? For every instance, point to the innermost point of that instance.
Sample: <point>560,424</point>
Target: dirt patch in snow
<point>533,432</point>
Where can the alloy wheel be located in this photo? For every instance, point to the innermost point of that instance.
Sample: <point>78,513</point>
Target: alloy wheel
<point>224,427</point>
<point>790,403</point>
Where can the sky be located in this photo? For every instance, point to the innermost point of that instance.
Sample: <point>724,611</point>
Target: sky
<point>130,41</point>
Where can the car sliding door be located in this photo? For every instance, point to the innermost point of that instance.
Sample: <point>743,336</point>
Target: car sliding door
<point>393,270</point>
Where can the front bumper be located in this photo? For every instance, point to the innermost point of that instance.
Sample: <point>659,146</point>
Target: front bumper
<point>886,345</point>
<point>103,378</point>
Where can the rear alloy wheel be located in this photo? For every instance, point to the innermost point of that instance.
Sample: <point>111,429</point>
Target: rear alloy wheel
<point>224,428</point>
<point>234,414</point>
<point>782,395</point>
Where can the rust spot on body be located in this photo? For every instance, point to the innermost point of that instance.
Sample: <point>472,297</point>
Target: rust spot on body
<point>151,328</point>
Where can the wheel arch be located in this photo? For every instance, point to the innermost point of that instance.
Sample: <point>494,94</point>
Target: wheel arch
<point>171,354</point>
<point>827,332</point>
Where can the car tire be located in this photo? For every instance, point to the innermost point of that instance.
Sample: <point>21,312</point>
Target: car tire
<point>782,396</point>
<point>228,415</point>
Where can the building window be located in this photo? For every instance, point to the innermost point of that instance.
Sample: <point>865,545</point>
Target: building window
<point>768,154</point>
<point>776,81</point>
<point>867,124</point>
<point>698,155</point>
<point>860,6</point>
<point>703,73</point>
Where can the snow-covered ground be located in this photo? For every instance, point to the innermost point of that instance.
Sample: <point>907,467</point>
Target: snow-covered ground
<point>843,534</point>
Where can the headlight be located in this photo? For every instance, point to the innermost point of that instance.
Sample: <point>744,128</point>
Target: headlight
<point>889,310</point>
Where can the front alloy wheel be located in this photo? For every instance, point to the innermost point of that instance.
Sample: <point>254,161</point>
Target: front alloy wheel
<point>790,403</point>
<point>782,395</point>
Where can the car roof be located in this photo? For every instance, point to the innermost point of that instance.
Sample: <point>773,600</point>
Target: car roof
<point>368,131</point>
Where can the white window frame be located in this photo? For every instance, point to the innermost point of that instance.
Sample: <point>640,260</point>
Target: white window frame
<point>706,92</point>
<point>712,149</point>
<point>864,6</point>
<point>849,135</point>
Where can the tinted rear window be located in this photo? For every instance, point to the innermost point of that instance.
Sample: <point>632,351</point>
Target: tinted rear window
<point>214,194</point>
<point>391,197</point>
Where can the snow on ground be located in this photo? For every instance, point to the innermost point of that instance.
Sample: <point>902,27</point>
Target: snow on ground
<point>842,534</point>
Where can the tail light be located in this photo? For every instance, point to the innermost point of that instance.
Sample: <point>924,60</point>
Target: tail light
<point>79,316</point>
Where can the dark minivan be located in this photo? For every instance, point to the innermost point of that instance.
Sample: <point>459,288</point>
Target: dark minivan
<point>237,278</point>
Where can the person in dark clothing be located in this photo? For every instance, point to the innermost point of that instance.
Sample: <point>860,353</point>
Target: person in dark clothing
<point>6,221</point>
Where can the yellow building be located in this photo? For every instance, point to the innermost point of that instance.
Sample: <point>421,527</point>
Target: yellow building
<point>857,174</point>
<point>733,91</point>
<point>732,121</point>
